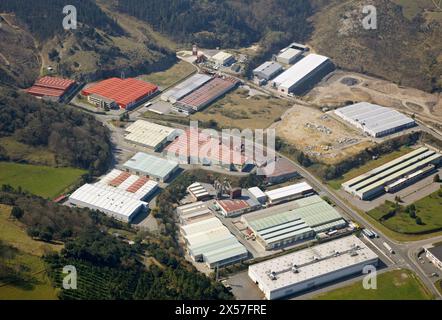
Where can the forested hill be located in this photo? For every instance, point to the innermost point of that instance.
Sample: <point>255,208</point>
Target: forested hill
<point>223,23</point>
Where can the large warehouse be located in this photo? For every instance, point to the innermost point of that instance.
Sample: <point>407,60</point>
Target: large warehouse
<point>379,180</point>
<point>194,212</point>
<point>268,70</point>
<point>375,120</point>
<point>52,88</point>
<point>150,135</point>
<point>206,94</point>
<point>153,167</point>
<point>186,87</point>
<point>211,242</point>
<point>114,202</point>
<point>311,216</point>
<point>289,56</point>
<point>125,92</point>
<point>291,192</point>
<point>303,75</point>
<point>312,267</point>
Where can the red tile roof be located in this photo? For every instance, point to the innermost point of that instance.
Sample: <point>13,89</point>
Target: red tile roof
<point>233,205</point>
<point>123,91</point>
<point>50,87</point>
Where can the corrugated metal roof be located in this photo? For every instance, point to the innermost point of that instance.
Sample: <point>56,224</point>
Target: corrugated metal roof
<point>151,165</point>
<point>186,87</point>
<point>150,134</point>
<point>288,191</point>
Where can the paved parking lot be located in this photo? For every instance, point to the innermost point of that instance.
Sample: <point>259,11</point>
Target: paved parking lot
<point>243,288</point>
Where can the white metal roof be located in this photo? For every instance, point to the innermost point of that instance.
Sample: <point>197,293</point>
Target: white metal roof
<point>289,53</point>
<point>151,165</point>
<point>107,198</point>
<point>257,193</point>
<point>222,56</point>
<point>150,134</point>
<point>288,191</point>
<point>313,262</point>
<point>199,227</point>
<point>299,70</point>
<point>186,87</point>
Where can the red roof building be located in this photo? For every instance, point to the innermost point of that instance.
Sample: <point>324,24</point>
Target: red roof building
<point>125,92</point>
<point>51,87</point>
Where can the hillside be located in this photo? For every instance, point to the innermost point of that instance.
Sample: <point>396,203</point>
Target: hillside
<point>406,48</point>
<point>100,46</point>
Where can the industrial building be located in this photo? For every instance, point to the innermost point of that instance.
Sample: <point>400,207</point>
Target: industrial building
<point>377,181</point>
<point>258,194</point>
<point>303,75</point>
<point>375,120</point>
<point>312,267</point>
<point>206,94</point>
<point>194,212</point>
<point>434,254</point>
<point>289,56</point>
<point>126,93</point>
<point>311,216</point>
<point>223,58</point>
<point>237,206</point>
<point>114,202</point>
<point>153,167</point>
<point>268,70</point>
<point>186,87</point>
<point>209,241</point>
<point>52,88</point>
<point>284,194</point>
<point>198,192</point>
<point>150,135</point>
<point>278,171</point>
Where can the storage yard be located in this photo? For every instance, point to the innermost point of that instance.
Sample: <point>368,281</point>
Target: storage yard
<point>124,93</point>
<point>150,135</point>
<point>375,120</point>
<point>52,88</point>
<point>311,216</point>
<point>394,175</point>
<point>312,267</point>
<point>319,135</point>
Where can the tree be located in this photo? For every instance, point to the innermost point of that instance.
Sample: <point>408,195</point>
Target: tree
<point>436,178</point>
<point>419,221</point>
<point>17,212</point>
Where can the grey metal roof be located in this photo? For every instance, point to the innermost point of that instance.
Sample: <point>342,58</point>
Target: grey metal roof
<point>186,87</point>
<point>151,165</point>
<point>268,68</point>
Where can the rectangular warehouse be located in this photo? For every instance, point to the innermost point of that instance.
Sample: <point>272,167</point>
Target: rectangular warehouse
<point>155,168</point>
<point>52,88</point>
<point>376,181</point>
<point>150,135</point>
<point>186,87</point>
<point>194,212</point>
<point>311,216</point>
<point>114,202</point>
<point>211,242</point>
<point>303,75</point>
<point>312,267</point>
<point>289,56</point>
<point>294,191</point>
<point>223,58</point>
<point>268,70</point>
<point>375,120</point>
<point>208,93</point>
<point>125,92</point>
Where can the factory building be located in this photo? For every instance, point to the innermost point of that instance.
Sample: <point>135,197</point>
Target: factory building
<point>102,102</point>
<point>206,94</point>
<point>52,88</point>
<point>186,87</point>
<point>153,167</point>
<point>383,178</point>
<point>292,192</point>
<point>268,70</point>
<point>434,254</point>
<point>198,192</point>
<point>194,212</point>
<point>150,135</point>
<point>258,194</point>
<point>312,267</point>
<point>223,58</point>
<point>303,75</point>
<point>311,216</point>
<point>209,241</point>
<point>114,202</point>
<point>278,171</point>
<point>289,56</point>
<point>126,93</point>
<point>375,120</point>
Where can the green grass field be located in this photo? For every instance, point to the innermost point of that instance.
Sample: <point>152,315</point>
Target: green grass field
<point>336,183</point>
<point>166,78</point>
<point>27,258</point>
<point>392,285</point>
<point>428,209</point>
<point>47,182</point>
<point>36,155</point>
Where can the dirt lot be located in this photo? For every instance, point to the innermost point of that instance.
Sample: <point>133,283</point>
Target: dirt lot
<point>343,87</point>
<point>245,108</point>
<point>319,135</point>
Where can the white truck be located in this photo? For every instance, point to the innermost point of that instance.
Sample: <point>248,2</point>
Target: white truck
<point>390,249</point>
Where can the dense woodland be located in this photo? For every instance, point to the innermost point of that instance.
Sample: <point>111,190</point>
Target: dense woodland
<point>76,138</point>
